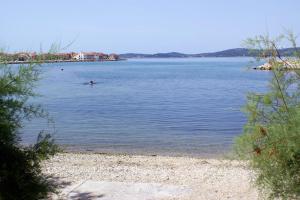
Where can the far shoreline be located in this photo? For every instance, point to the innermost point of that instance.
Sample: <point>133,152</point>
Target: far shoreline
<point>58,61</point>
<point>120,59</point>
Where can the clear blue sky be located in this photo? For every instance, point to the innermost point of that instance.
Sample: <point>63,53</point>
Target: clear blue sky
<point>146,26</point>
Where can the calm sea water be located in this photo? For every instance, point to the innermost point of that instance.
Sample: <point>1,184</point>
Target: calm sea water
<point>153,106</point>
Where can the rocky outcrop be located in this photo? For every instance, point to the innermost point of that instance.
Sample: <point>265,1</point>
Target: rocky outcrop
<point>287,65</point>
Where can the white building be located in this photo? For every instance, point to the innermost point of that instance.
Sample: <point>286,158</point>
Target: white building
<point>88,56</point>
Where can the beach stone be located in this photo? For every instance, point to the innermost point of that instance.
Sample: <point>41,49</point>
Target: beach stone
<point>151,178</point>
<point>105,190</point>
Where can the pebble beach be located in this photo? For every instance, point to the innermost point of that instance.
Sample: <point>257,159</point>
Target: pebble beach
<point>197,178</point>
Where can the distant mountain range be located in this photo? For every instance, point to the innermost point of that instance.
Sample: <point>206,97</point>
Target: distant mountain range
<point>237,52</point>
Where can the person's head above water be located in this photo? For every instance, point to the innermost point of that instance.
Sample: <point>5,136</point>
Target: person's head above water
<point>92,82</point>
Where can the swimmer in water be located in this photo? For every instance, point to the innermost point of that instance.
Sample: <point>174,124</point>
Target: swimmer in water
<point>92,82</point>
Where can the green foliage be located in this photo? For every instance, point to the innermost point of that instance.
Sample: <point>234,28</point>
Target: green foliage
<point>20,170</point>
<point>271,138</point>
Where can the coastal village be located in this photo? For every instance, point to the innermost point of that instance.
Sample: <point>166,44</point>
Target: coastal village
<point>58,57</point>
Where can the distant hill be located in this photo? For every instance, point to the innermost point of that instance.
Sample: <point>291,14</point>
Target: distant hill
<point>169,55</point>
<point>157,55</point>
<point>237,52</point>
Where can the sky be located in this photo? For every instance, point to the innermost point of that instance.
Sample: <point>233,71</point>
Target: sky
<point>144,26</point>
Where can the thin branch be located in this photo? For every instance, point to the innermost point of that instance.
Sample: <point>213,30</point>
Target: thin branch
<point>277,80</point>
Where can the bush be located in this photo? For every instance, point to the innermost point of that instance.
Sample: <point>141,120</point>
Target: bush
<point>271,138</point>
<point>20,170</point>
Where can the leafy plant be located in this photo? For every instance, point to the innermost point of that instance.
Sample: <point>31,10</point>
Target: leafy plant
<point>271,138</point>
<point>20,170</point>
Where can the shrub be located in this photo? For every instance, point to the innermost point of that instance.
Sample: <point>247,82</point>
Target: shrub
<point>271,138</point>
<point>20,170</point>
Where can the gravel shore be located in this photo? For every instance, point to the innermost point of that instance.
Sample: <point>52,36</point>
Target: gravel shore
<point>203,178</point>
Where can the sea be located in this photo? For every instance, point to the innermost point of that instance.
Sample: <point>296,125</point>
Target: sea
<point>173,106</point>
